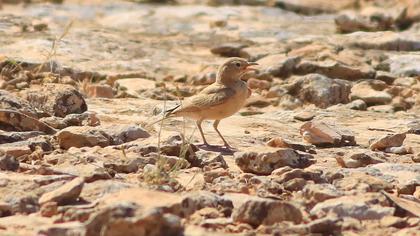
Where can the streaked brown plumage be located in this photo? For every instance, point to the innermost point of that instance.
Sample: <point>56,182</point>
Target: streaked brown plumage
<point>219,100</point>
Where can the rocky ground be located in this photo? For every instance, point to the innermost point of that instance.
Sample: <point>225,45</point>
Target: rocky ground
<point>327,144</point>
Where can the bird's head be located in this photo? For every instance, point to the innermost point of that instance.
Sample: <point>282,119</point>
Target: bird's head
<point>234,68</point>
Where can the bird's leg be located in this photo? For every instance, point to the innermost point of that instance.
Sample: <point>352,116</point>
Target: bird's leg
<point>215,124</point>
<point>198,122</point>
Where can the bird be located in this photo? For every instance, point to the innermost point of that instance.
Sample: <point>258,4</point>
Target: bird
<point>221,99</point>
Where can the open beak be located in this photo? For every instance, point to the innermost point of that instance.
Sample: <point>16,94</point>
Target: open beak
<point>248,68</point>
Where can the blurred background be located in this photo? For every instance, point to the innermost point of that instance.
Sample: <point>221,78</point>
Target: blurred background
<point>181,42</point>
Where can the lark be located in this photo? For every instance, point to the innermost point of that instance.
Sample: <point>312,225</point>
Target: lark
<point>223,98</point>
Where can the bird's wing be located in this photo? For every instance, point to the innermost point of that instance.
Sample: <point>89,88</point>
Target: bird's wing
<point>213,95</point>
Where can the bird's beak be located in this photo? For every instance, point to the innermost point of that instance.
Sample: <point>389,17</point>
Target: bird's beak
<point>248,68</point>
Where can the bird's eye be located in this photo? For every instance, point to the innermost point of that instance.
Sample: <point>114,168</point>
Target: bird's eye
<point>238,64</point>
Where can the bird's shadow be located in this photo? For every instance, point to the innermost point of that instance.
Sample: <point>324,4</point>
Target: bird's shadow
<point>216,148</point>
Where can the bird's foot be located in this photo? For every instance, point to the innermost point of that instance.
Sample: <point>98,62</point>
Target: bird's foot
<point>227,146</point>
<point>205,144</point>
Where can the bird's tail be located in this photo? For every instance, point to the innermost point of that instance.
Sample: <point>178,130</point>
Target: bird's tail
<point>167,114</point>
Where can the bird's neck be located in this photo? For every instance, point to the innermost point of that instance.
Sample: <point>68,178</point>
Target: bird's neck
<point>225,78</point>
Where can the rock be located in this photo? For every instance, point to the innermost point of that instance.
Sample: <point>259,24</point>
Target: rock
<point>295,184</point>
<point>86,118</point>
<point>314,176</point>
<point>99,91</point>
<point>211,175</point>
<point>389,140</point>
<point>351,207</point>
<point>10,137</point>
<point>204,158</point>
<point>56,99</point>
<point>398,174</point>
<point>67,193</point>
<point>393,221</point>
<point>416,158</point>
<point>134,87</point>
<point>382,109</point>
<point>218,23</point>
<point>384,76</point>
<point>125,133</point>
<point>411,208</point>
<point>255,53</point>
<point>9,101</point>
<point>319,133</point>
<point>169,162</point>
<point>182,206</point>
<point>405,81</point>
<point>258,84</point>
<point>362,183</point>
<point>257,101</point>
<point>327,225</point>
<point>5,209</point>
<point>206,77</point>
<point>8,162</point>
<point>371,92</point>
<point>403,65</point>
<point>15,121</point>
<point>16,149</point>
<point>284,143</point>
<point>87,136</point>
<point>198,200</point>
<point>256,211</point>
<point>399,150</point>
<point>228,49</point>
<point>321,192</point>
<point>304,116</point>
<point>308,7</point>
<point>385,40</point>
<point>26,147</point>
<point>319,90</point>
<point>67,228</point>
<point>264,161</point>
<point>278,65</point>
<point>128,218</point>
<point>83,136</point>
<point>407,188</point>
<point>132,165</point>
<point>370,19</point>
<point>360,159</point>
<point>280,171</point>
<point>90,172</point>
<point>334,69</point>
<point>357,104</point>
<point>49,209</point>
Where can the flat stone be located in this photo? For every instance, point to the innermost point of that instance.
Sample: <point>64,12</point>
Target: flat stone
<point>321,192</point>
<point>351,207</point>
<point>56,99</point>
<point>8,162</point>
<point>334,69</point>
<point>67,193</point>
<point>278,65</point>
<point>134,86</point>
<point>403,65</point>
<point>17,121</point>
<point>263,162</point>
<point>371,92</point>
<point>100,91</point>
<point>319,90</point>
<point>228,50</point>
<point>304,116</point>
<point>320,133</point>
<point>389,140</point>
<point>256,211</point>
